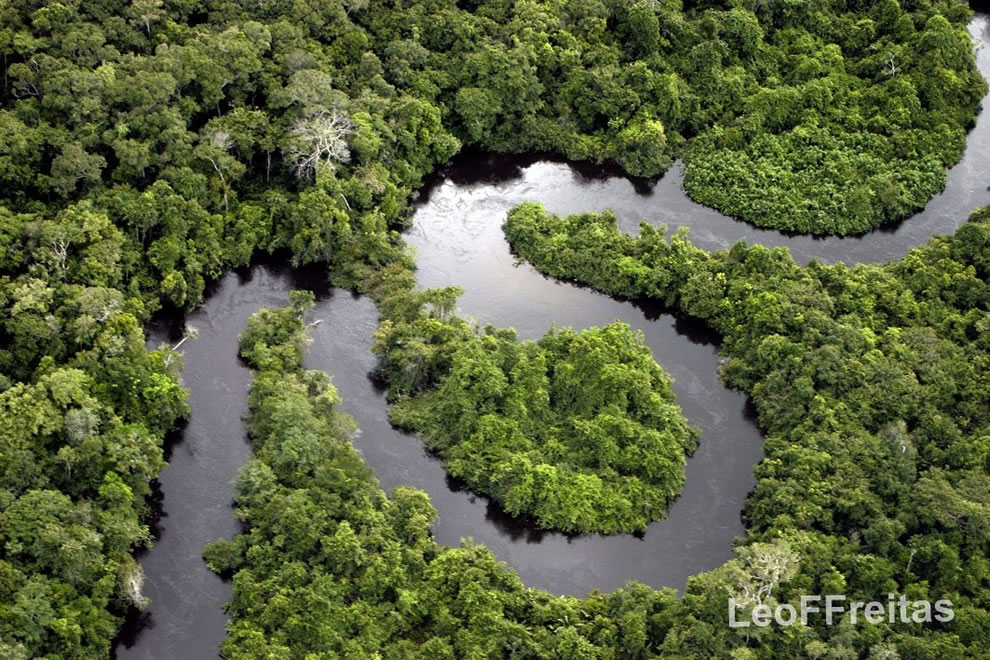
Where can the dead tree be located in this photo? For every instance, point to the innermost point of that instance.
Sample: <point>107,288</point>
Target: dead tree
<point>320,137</point>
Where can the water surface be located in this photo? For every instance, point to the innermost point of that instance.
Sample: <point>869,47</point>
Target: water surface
<point>456,233</point>
<point>475,186</point>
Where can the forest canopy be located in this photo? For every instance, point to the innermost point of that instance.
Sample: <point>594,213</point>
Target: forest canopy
<point>205,123</point>
<point>332,565</point>
<point>875,478</point>
<point>147,146</point>
<point>578,430</point>
<point>872,383</point>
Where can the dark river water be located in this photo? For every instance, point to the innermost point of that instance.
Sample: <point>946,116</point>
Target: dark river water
<point>457,237</point>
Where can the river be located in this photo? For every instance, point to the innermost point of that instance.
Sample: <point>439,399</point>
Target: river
<point>457,236</point>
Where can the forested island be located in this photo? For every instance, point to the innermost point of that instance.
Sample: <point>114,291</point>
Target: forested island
<point>148,146</point>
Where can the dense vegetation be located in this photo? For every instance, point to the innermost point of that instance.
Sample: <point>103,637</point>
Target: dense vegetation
<point>191,124</point>
<point>873,385</point>
<point>145,146</point>
<point>847,122</point>
<point>875,478</point>
<point>331,565</point>
<point>579,430</point>
<point>83,411</point>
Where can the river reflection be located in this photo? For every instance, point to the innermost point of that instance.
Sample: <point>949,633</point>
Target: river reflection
<point>484,181</point>
<point>457,236</point>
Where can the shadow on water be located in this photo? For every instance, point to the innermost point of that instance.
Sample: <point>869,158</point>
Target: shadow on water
<point>487,179</point>
<point>456,232</point>
<point>194,492</point>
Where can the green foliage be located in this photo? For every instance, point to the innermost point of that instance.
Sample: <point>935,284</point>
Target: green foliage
<point>75,477</point>
<point>842,127</point>
<point>870,381</point>
<point>331,565</point>
<point>147,146</point>
<point>277,337</point>
<point>579,430</point>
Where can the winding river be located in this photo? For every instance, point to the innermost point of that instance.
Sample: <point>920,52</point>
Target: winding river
<point>457,236</point>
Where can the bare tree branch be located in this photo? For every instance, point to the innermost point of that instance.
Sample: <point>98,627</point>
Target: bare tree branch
<point>321,137</point>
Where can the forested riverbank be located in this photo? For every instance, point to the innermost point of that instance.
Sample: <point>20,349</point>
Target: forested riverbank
<point>333,565</point>
<point>579,431</point>
<point>149,146</point>
<point>898,502</point>
<point>870,381</point>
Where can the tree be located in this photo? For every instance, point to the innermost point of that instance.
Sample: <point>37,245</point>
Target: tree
<point>644,29</point>
<point>762,568</point>
<point>72,165</point>
<point>641,147</point>
<point>318,138</point>
<point>215,148</point>
<point>146,12</point>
